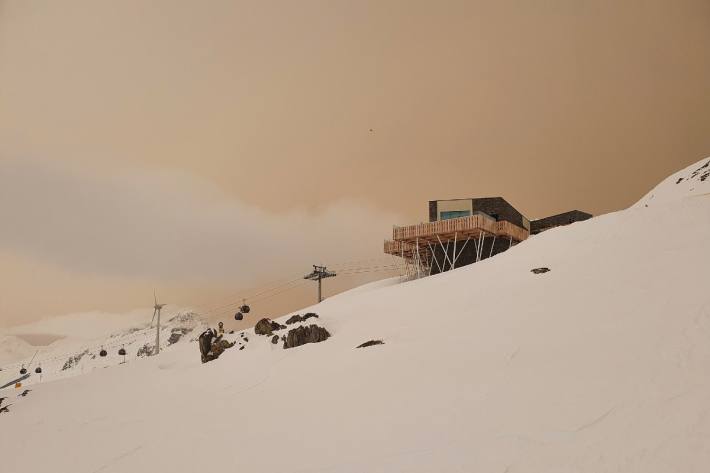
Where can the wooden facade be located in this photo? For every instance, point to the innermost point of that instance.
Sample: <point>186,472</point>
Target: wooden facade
<point>462,227</point>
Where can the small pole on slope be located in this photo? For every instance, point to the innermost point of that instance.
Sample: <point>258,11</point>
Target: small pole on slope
<point>319,273</point>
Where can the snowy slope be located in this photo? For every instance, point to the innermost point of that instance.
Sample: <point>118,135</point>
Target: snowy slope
<point>600,365</point>
<point>79,339</point>
<point>13,348</point>
<point>689,183</point>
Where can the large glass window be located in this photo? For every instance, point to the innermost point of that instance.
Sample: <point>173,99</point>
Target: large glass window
<point>454,214</point>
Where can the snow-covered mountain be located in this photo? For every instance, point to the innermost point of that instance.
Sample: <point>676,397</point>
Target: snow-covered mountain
<point>601,364</point>
<point>77,341</point>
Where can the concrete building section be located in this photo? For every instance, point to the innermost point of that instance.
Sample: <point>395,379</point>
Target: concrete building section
<point>496,207</point>
<point>565,218</point>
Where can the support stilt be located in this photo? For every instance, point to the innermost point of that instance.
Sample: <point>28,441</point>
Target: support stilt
<point>446,252</point>
<point>436,260</point>
<point>456,257</point>
<point>492,245</point>
<point>481,241</point>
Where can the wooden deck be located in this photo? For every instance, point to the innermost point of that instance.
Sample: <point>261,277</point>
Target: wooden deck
<point>460,228</point>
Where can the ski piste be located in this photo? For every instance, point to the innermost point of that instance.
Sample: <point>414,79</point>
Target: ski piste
<point>15,381</point>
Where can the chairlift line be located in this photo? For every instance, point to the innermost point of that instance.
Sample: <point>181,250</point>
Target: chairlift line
<point>269,293</point>
<point>243,305</point>
<point>273,290</point>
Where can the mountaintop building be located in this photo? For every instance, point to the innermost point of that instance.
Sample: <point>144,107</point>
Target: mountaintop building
<point>464,231</point>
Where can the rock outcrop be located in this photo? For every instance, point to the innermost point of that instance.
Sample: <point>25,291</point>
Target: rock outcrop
<point>267,327</point>
<point>211,346</point>
<point>145,350</point>
<point>305,334</point>
<point>177,333</point>
<point>74,360</point>
<point>300,318</point>
<point>370,343</point>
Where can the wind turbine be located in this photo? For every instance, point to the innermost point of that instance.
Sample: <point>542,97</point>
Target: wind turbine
<point>156,311</point>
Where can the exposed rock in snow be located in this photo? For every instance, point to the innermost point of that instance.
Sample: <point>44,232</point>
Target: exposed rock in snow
<point>145,350</point>
<point>74,360</point>
<point>691,182</point>
<point>267,327</point>
<point>177,333</point>
<point>305,334</point>
<point>218,347</point>
<point>300,318</point>
<point>370,343</point>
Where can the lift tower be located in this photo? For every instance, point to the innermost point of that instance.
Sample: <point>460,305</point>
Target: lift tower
<point>319,273</point>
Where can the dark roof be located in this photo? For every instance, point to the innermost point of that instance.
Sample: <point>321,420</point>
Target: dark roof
<point>565,218</point>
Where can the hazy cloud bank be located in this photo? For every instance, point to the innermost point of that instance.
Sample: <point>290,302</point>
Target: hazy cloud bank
<point>168,226</point>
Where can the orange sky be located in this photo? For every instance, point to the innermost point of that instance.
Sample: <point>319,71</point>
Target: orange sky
<point>260,113</point>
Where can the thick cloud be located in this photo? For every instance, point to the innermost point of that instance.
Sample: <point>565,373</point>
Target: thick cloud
<point>168,226</point>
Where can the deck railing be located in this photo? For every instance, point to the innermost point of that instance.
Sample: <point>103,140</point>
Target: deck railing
<point>471,224</point>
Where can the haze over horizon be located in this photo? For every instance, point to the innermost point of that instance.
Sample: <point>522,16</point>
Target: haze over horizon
<point>204,148</point>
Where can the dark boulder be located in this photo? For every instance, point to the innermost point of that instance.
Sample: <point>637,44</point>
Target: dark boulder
<point>300,318</point>
<point>145,350</point>
<point>211,346</point>
<point>176,334</point>
<point>275,339</point>
<point>540,270</point>
<point>219,347</point>
<point>205,343</point>
<point>294,319</point>
<point>305,334</point>
<point>370,343</point>
<point>267,327</point>
<point>74,360</point>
